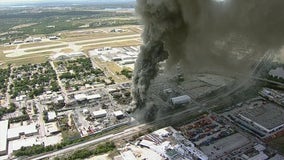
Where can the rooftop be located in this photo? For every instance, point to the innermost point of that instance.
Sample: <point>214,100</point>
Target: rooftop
<point>225,145</point>
<point>80,97</point>
<point>268,115</point>
<point>118,113</point>
<point>51,115</point>
<point>51,128</point>
<point>3,135</point>
<point>15,132</point>
<point>100,112</point>
<point>278,72</point>
<point>128,155</point>
<point>162,141</point>
<point>17,144</point>
<point>93,96</point>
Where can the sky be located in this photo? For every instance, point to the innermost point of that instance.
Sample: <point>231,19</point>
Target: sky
<point>48,1</point>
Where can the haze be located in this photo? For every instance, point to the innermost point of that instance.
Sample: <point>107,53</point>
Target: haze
<point>15,2</point>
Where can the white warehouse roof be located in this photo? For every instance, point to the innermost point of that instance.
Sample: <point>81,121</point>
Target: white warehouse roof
<point>3,137</point>
<point>60,98</point>
<point>58,56</point>
<point>51,115</point>
<point>93,96</point>
<point>180,100</point>
<point>14,133</point>
<point>128,155</point>
<point>100,113</point>
<point>76,54</point>
<point>118,113</point>
<point>51,128</point>
<point>80,97</point>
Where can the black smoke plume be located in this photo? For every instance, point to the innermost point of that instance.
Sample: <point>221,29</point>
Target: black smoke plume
<point>225,36</point>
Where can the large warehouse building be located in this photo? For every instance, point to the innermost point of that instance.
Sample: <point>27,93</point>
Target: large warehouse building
<point>181,100</point>
<point>15,133</point>
<point>266,117</point>
<point>3,137</point>
<point>100,113</point>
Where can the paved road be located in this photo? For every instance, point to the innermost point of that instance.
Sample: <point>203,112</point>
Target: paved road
<point>8,96</point>
<point>62,87</point>
<point>40,119</point>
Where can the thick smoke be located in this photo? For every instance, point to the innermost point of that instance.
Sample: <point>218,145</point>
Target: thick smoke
<point>205,36</point>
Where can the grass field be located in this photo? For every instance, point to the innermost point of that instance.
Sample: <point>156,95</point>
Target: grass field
<point>278,144</point>
<point>38,57</point>
<point>3,48</point>
<point>67,50</point>
<point>110,69</point>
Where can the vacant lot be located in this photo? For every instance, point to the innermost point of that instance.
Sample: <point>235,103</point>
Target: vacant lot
<point>110,69</point>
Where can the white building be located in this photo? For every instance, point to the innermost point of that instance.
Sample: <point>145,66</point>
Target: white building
<point>159,142</point>
<point>15,133</point>
<point>51,128</point>
<point>262,127</point>
<point>128,155</point>
<point>181,100</point>
<point>76,54</point>
<point>100,113</point>
<point>59,56</point>
<point>64,56</point>
<point>129,61</point>
<point>53,38</point>
<point>51,116</point>
<point>3,137</point>
<point>93,96</point>
<point>118,114</point>
<point>60,99</point>
<point>86,111</point>
<point>24,142</point>
<point>21,98</point>
<point>80,97</point>
<point>37,39</point>
<point>277,72</point>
